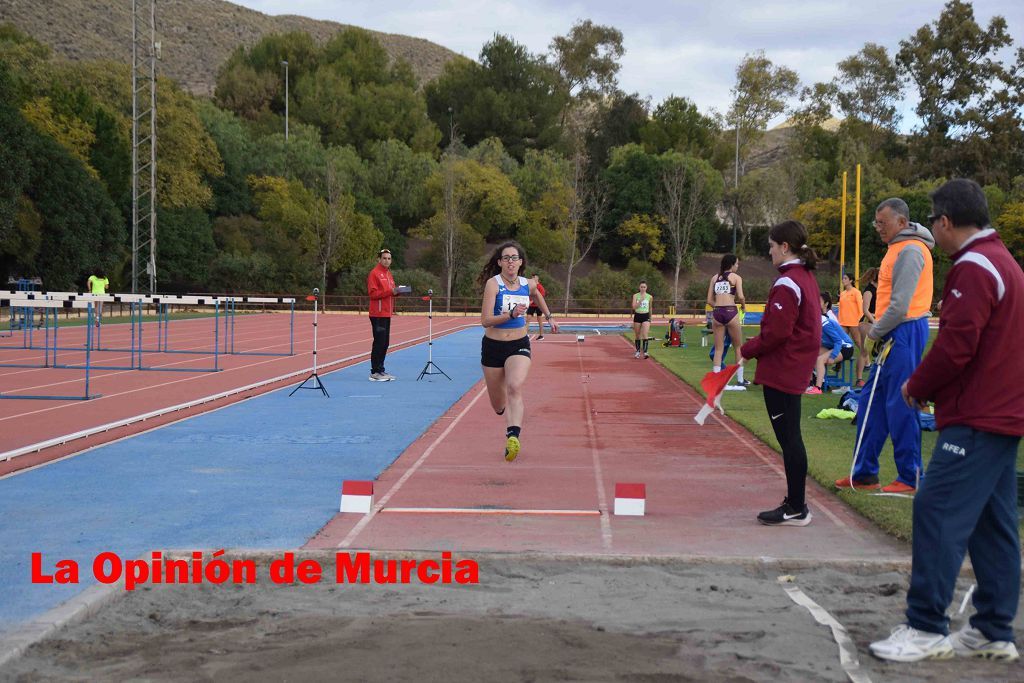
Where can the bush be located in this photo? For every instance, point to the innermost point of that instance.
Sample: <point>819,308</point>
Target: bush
<point>604,288</point>
<point>638,270</point>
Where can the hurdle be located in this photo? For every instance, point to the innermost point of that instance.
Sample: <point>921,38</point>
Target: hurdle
<point>136,304</point>
<point>230,312</point>
<point>53,306</point>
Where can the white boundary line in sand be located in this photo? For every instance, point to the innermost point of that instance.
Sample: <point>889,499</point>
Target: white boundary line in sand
<point>61,440</point>
<point>358,528</point>
<point>847,650</point>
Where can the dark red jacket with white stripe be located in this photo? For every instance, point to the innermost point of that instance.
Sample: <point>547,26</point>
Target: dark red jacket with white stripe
<point>380,284</point>
<point>974,371</point>
<point>790,338</point>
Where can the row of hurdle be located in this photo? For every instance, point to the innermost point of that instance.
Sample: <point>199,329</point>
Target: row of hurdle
<point>50,304</point>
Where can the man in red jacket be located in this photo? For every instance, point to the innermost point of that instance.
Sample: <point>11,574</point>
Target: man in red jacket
<point>381,286</point>
<point>968,501</point>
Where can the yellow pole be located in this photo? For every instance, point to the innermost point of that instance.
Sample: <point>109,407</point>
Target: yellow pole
<point>856,242</point>
<point>842,237</point>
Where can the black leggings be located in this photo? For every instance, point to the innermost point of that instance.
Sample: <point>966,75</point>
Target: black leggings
<point>784,413</point>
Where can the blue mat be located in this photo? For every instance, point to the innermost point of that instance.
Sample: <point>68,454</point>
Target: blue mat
<point>263,473</point>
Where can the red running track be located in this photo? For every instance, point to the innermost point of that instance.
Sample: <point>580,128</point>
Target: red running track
<point>595,417</point>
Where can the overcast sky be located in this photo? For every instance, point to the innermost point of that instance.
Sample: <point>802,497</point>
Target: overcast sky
<point>683,47</point>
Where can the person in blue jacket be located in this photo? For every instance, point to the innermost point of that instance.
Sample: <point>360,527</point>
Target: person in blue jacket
<point>836,345</point>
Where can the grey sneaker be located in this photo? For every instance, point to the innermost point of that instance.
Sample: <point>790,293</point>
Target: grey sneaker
<point>907,644</point>
<point>970,642</point>
<point>377,377</point>
<point>385,377</point>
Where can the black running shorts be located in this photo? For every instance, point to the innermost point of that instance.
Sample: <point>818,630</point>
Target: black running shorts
<point>494,353</point>
<point>641,318</point>
<point>533,310</point>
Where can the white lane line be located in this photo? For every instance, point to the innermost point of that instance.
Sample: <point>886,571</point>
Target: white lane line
<point>358,528</point>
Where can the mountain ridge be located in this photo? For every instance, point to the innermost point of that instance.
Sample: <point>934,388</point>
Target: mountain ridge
<point>196,36</point>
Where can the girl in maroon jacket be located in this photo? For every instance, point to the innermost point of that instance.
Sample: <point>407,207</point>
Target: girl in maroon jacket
<point>786,350</point>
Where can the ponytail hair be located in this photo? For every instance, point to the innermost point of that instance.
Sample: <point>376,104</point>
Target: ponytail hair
<point>794,234</point>
<point>728,261</point>
<point>491,267</point>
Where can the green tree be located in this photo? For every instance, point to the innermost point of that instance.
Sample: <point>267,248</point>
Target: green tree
<point>588,59</point>
<point>1011,229</point>
<point>185,248</point>
<point>511,95</point>
<point>868,88</point>
<point>968,101</point>
<point>690,191</point>
<point>15,164</point>
<point>642,237</point>
<point>398,175</point>
<point>759,95</point>
<point>633,179</point>
<point>677,125</point>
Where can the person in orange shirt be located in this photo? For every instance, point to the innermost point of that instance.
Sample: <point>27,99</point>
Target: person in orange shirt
<point>851,310</point>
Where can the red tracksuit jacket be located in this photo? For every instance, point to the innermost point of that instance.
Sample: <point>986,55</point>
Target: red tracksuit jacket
<point>790,338</point>
<point>381,285</point>
<point>974,371</point>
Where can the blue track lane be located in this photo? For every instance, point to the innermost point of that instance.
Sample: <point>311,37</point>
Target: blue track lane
<point>264,473</point>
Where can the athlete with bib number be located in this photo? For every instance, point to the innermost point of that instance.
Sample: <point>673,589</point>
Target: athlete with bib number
<point>641,319</point>
<point>725,291</point>
<point>505,350</point>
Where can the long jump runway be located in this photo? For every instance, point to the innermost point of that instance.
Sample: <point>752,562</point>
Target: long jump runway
<point>265,474</point>
<point>597,417</point>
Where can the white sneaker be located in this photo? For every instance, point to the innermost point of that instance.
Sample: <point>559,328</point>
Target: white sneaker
<point>377,377</point>
<point>907,644</point>
<point>636,355</point>
<point>970,642</point>
<point>385,377</point>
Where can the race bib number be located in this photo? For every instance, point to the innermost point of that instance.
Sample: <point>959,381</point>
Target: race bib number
<point>723,287</point>
<point>510,301</point>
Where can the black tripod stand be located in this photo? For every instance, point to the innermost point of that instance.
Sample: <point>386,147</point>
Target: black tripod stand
<point>316,383</point>
<point>431,366</point>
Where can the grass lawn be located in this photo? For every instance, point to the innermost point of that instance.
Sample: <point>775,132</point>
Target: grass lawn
<point>829,442</point>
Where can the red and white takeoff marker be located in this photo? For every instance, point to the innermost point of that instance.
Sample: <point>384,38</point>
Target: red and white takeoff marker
<point>714,384</point>
<point>630,499</point>
<point>356,496</point>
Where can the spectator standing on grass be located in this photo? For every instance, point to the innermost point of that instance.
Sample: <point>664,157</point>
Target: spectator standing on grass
<point>98,284</point>
<point>968,501</point>
<point>904,304</point>
<point>851,310</point>
<point>786,350</point>
<point>380,284</point>
<point>869,297</point>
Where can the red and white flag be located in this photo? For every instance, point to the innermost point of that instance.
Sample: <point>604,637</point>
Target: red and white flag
<point>713,385</point>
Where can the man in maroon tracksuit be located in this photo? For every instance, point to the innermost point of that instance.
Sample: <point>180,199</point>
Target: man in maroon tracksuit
<point>968,500</point>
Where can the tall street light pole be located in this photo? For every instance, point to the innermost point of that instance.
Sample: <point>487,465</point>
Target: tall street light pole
<point>284,63</point>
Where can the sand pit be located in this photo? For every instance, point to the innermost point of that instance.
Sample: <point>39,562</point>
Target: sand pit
<point>530,618</point>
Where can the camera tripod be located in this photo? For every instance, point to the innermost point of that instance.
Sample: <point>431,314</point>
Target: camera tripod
<point>431,368</point>
<point>316,382</point>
